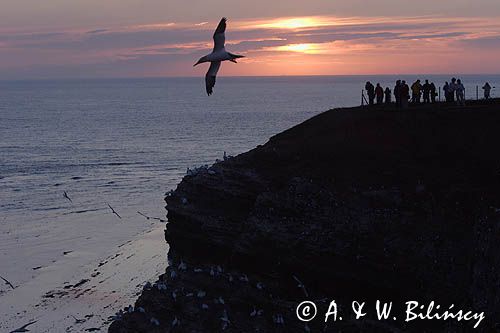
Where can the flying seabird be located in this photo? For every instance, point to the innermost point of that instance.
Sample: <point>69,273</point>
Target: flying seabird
<point>301,285</point>
<point>154,321</point>
<point>147,217</point>
<point>218,55</point>
<point>23,328</point>
<point>7,282</point>
<point>225,320</point>
<point>114,212</point>
<point>151,217</point>
<point>182,266</point>
<point>67,197</point>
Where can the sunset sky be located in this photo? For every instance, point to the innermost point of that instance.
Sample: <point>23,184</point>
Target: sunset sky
<point>137,38</point>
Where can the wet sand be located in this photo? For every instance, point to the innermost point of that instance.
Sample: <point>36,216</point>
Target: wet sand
<point>64,297</point>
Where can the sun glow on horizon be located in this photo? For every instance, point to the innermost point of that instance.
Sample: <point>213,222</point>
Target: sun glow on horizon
<point>294,23</point>
<point>301,48</point>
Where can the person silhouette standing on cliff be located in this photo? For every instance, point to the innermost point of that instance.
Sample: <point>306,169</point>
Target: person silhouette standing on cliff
<point>388,96</point>
<point>370,90</point>
<point>426,88</point>
<point>487,90</point>
<point>446,90</point>
<point>460,93</point>
<point>452,89</point>
<point>405,94</point>
<point>397,93</point>
<point>379,92</point>
<point>416,89</point>
<point>433,93</point>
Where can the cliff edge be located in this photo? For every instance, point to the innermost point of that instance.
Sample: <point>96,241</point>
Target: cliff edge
<point>358,204</point>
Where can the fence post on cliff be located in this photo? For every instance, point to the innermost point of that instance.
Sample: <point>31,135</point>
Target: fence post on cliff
<point>439,94</point>
<point>477,93</point>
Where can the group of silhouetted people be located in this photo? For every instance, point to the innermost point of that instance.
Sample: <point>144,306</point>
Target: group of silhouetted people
<point>454,91</point>
<point>419,93</point>
<point>402,93</point>
<point>418,90</point>
<point>378,93</point>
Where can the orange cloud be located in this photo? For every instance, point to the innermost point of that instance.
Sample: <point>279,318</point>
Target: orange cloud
<point>304,45</point>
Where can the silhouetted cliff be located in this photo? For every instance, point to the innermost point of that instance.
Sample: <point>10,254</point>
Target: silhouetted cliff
<point>353,204</point>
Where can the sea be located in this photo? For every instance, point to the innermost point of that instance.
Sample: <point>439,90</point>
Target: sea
<point>74,151</point>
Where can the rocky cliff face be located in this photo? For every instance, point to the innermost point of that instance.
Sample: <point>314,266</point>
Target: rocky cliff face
<point>353,204</point>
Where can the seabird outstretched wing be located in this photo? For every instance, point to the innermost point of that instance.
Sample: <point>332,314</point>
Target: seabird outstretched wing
<point>211,76</point>
<point>23,328</point>
<point>7,282</point>
<point>67,197</point>
<point>219,35</point>
<point>114,211</point>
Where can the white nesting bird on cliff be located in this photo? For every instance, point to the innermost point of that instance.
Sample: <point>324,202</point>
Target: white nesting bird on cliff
<point>218,55</point>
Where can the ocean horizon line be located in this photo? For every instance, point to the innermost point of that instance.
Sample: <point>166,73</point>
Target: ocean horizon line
<point>239,76</point>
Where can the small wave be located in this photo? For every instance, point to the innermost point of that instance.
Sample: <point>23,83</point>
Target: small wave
<point>122,163</point>
<point>83,211</point>
<point>46,209</point>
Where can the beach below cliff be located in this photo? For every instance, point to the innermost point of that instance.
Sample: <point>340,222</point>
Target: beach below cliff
<point>353,204</point>
<point>81,292</point>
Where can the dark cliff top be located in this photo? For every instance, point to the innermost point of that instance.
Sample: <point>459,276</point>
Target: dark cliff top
<point>379,143</point>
